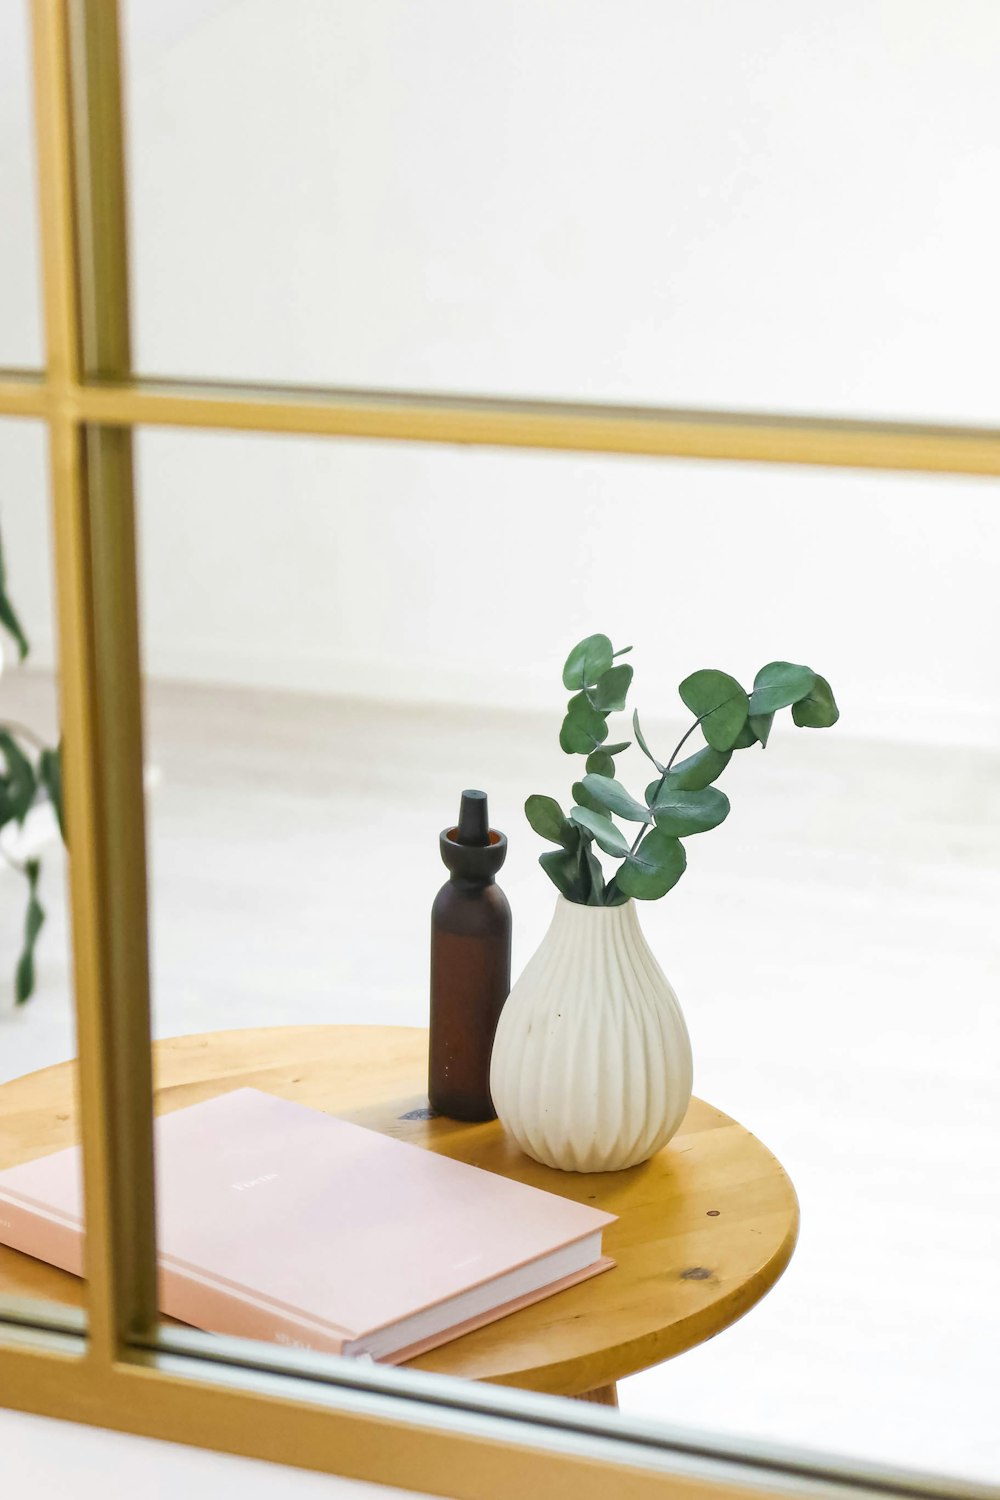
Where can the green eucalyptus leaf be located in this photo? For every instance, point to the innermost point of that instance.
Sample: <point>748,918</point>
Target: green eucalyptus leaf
<point>611,796</point>
<point>640,740</point>
<point>20,783</point>
<point>608,837</point>
<point>699,770</point>
<point>761,725</point>
<point>719,702</point>
<point>562,866</point>
<point>601,763</point>
<point>611,689</point>
<point>684,813</point>
<point>583,728</point>
<point>818,710</point>
<point>613,894</point>
<point>583,798</point>
<point>8,614</point>
<point>592,875</point>
<point>656,866</point>
<point>616,749</point>
<point>587,661</point>
<point>548,819</point>
<point>24,977</point>
<point>779,684</point>
<point>50,776</point>
<point>746,737</point>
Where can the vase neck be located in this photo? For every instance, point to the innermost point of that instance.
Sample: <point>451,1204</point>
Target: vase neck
<point>572,916</point>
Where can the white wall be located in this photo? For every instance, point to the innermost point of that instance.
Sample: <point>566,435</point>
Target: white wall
<point>784,204</point>
<point>445,575</point>
<point>778,205</point>
<point>20,301</point>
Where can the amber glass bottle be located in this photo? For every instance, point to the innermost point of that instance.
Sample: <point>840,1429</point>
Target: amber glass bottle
<point>470,964</point>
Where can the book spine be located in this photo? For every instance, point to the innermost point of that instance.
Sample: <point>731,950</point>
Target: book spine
<point>43,1237</point>
<point>182,1294</point>
<point>219,1309</point>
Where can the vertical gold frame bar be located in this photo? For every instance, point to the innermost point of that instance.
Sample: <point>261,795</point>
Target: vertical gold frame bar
<point>78,104</point>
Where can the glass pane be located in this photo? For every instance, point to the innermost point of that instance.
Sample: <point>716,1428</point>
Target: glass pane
<point>766,206</point>
<point>20,297</point>
<point>37,1108</point>
<point>341,637</point>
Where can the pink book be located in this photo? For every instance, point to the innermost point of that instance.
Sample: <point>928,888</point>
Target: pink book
<point>283,1223</point>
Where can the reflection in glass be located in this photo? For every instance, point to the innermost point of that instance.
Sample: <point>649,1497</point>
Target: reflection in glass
<point>714,205</point>
<point>326,674</point>
<point>37,1110</point>
<point>20,297</point>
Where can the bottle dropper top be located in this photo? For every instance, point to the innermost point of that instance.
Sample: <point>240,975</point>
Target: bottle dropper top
<point>473,820</point>
<point>472,850</point>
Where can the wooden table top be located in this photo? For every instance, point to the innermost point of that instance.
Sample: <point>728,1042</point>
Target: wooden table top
<point>704,1229</point>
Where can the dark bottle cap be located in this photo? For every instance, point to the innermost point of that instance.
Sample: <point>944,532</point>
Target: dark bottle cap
<point>473,850</point>
<point>473,820</point>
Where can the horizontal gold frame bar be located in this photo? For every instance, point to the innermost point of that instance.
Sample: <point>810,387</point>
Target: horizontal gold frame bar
<point>433,1432</point>
<point>651,431</point>
<point>441,1449</point>
<point>24,393</point>
<point>663,432</point>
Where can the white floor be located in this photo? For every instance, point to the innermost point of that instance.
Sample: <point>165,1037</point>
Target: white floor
<point>834,944</point>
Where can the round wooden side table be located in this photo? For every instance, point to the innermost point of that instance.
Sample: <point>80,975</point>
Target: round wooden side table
<point>704,1229</point>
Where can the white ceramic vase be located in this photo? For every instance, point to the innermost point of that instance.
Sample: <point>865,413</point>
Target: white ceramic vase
<point>591,1067</point>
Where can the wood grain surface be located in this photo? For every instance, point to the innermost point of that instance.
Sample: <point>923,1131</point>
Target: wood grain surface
<point>704,1229</point>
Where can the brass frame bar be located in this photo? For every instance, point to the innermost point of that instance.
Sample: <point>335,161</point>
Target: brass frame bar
<point>487,1445</point>
<point>93,527</point>
<point>729,437</point>
<point>393,1427</point>
<point>663,432</point>
<point>23,393</point>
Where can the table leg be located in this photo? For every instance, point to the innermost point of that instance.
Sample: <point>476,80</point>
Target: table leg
<point>602,1395</point>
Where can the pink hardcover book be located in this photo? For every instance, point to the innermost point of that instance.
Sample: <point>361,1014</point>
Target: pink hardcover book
<point>282,1223</point>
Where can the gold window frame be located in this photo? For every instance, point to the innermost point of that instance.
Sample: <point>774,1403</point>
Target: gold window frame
<point>390,1426</point>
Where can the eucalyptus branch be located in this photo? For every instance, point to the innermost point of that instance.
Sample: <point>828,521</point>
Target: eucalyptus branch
<point>20,782</point>
<point>731,716</point>
<point>666,772</point>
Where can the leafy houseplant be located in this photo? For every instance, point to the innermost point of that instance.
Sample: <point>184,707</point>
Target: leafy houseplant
<point>29,770</point>
<point>591,1064</point>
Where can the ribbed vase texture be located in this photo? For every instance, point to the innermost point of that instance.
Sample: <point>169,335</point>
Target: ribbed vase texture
<point>591,1067</point>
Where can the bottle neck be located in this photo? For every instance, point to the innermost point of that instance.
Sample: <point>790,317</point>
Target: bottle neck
<point>463,883</point>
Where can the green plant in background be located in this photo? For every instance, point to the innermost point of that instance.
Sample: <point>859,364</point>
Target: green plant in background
<point>30,770</point>
<point>680,800</point>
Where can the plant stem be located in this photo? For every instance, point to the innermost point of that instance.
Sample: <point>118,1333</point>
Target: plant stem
<point>666,772</point>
